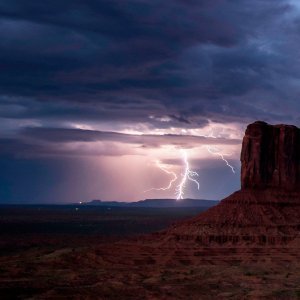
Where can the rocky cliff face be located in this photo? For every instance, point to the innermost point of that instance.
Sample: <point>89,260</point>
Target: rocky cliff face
<point>266,211</point>
<point>271,157</point>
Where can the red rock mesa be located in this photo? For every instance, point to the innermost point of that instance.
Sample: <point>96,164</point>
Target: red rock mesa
<point>266,211</point>
<point>271,157</point>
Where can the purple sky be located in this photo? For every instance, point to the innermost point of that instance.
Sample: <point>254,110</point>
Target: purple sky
<point>93,93</point>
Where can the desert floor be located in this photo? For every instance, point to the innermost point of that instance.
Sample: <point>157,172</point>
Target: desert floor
<point>64,253</point>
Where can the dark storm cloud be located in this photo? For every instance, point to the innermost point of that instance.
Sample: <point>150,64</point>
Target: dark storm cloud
<point>16,148</point>
<point>39,141</point>
<point>189,59</point>
<point>104,45</point>
<point>118,112</point>
<point>79,135</point>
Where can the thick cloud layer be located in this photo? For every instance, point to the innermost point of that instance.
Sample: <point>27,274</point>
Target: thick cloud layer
<point>85,78</point>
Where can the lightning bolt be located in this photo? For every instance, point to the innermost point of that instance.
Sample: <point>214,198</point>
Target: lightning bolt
<point>187,175</point>
<point>164,169</point>
<point>216,151</point>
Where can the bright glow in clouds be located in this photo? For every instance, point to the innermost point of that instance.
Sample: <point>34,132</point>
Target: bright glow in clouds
<point>158,167</point>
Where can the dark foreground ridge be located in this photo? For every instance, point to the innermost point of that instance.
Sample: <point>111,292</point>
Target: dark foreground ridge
<point>266,211</point>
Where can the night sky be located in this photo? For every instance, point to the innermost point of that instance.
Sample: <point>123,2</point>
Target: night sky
<point>92,93</point>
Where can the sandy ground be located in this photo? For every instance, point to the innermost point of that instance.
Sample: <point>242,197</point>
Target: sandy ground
<point>42,263</point>
<point>143,269</point>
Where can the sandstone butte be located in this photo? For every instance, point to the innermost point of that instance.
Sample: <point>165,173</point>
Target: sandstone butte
<point>266,210</point>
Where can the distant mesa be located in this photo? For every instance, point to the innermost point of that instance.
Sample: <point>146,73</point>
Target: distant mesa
<point>94,202</point>
<point>266,210</point>
<point>97,202</point>
<point>174,203</point>
<point>157,203</point>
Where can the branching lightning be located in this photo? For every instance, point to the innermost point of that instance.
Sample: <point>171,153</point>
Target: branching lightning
<point>216,151</point>
<point>164,169</point>
<point>187,175</point>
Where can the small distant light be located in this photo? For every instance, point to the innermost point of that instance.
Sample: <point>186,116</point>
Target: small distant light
<point>76,208</point>
<point>80,202</point>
